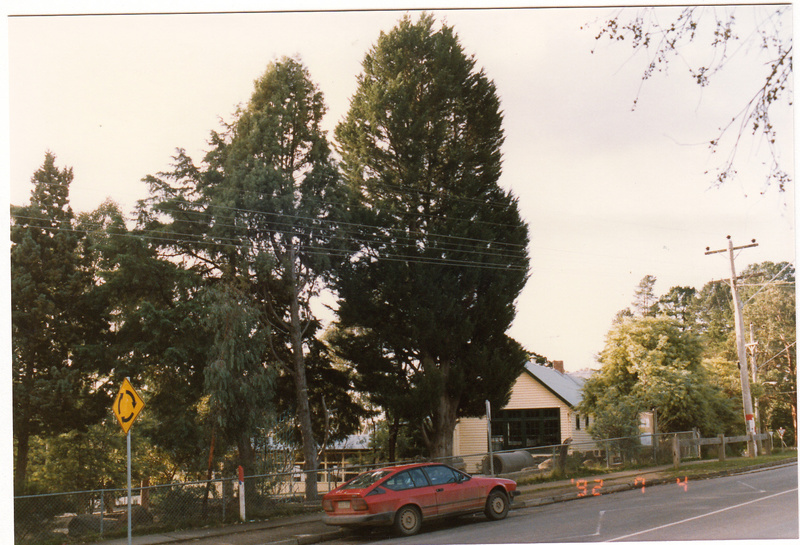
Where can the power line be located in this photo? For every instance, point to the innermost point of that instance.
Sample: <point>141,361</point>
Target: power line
<point>177,237</point>
<point>315,250</point>
<point>396,188</point>
<point>786,349</point>
<point>342,223</point>
<point>768,282</point>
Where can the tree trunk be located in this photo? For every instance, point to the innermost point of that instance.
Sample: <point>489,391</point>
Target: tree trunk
<point>301,390</point>
<point>21,466</point>
<point>444,424</point>
<point>443,419</point>
<point>394,431</point>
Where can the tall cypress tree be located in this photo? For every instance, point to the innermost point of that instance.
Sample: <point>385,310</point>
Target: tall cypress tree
<point>56,319</point>
<point>434,283</point>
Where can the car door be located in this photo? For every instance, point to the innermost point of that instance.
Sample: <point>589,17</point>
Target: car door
<point>452,495</point>
<point>412,486</point>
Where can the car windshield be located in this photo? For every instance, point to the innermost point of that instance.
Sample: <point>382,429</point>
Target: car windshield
<point>367,479</point>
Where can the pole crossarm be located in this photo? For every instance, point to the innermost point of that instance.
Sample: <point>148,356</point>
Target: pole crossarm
<point>753,245</point>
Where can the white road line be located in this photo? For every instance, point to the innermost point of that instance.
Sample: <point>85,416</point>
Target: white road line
<point>595,534</point>
<point>751,487</point>
<point>701,516</point>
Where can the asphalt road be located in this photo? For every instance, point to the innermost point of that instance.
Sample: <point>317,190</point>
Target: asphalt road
<point>757,505</point>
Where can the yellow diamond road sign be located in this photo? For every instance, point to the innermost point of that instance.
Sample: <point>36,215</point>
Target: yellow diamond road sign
<point>127,406</point>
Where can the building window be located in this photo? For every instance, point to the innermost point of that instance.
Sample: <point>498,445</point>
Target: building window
<point>524,428</point>
<point>578,422</point>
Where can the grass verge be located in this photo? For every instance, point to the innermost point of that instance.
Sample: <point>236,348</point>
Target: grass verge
<point>733,464</point>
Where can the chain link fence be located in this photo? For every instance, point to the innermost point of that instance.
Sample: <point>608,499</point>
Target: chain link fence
<point>573,458</point>
<point>44,518</point>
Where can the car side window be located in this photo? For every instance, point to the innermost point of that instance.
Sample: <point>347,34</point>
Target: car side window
<point>419,477</point>
<point>441,475</point>
<point>401,481</point>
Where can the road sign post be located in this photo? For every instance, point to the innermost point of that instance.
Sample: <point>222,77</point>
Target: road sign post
<point>489,435</point>
<point>127,406</point>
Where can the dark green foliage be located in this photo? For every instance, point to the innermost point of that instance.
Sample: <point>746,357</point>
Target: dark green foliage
<point>59,322</point>
<point>714,320</point>
<point>679,303</point>
<point>430,294</point>
<point>80,460</point>
<point>238,382</point>
<point>260,219</point>
<point>159,338</point>
<point>335,411</point>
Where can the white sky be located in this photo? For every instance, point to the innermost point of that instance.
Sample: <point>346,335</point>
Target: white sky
<point>610,194</point>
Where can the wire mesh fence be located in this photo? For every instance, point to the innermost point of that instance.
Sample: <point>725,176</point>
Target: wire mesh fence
<point>570,458</point>
<point>105,512</point>
<point>45,517</point>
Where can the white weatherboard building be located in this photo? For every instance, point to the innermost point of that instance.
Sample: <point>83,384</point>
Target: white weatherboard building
<point>540,412</point>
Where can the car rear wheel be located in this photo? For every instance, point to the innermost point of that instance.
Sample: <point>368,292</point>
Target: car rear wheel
<point>496,505</point>
<point>408,520</point>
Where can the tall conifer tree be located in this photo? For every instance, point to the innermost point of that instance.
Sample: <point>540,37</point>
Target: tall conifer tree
<point>434,284</point>
<point>56,319</point>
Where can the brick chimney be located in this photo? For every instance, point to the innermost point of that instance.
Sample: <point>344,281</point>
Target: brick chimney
<point>558,365</point>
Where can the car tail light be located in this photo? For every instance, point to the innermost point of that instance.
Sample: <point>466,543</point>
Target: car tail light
<point>327,505</point>
<point>358,504</point>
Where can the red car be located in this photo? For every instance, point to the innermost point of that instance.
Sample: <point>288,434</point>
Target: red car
<point>406,495</point>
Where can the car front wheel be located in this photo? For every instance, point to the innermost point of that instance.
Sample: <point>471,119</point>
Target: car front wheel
<point>408,520</point>
<point>496,505</point>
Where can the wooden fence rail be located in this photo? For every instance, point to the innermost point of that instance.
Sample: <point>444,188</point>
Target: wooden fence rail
<point>721,440</point>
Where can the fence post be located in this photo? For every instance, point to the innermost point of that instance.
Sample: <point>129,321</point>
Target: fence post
<point>146,493</point>
<point>769,444</point>
<point>721,453</point>
<point>102,509</point>
<point>676,451</point>
<point>241,495</point>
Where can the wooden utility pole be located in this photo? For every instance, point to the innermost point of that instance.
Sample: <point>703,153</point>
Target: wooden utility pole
<point>747,400</point>
<point>752,347</point>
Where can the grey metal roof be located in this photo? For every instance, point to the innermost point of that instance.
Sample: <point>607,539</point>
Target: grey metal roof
<point>563,385</point>
<point>352,442</point>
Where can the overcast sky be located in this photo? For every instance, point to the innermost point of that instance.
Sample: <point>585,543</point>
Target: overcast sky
<point>610,194</point>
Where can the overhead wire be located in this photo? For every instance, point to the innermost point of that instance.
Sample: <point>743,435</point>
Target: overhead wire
<point>291,229</point>
<point>162,237</point>
<point>403,239</point>
<point>444,241</point>
<point>399,189</point>
<point>768,283</point>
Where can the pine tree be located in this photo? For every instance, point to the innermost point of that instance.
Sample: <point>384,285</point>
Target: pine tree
<point>434,283</point>
<point>57,319</point>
